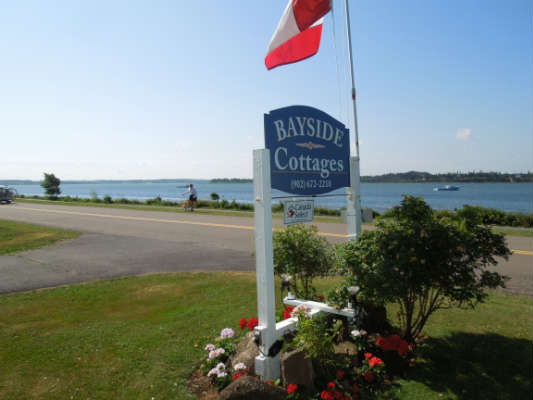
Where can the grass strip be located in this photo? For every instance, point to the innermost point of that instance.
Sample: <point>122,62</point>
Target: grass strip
<point>513,232</point>
<point>209,211</point>
<point>18,236</point>
<point>140,337</point>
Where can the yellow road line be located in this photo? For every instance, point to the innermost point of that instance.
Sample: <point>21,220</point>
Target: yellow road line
<point>210,224</point>
<point>523,252</point>
<point>170,221</point>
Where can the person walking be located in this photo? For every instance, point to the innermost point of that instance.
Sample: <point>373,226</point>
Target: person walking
<point>193,195</point>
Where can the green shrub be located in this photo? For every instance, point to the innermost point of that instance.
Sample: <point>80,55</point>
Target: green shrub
<point>214,196</point>
<point>423,262</point>
<point>51,184</point>
<point>108,199</point>
<point>302,254</point>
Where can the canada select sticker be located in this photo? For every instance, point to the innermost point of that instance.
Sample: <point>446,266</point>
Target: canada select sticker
<point>309,150</point>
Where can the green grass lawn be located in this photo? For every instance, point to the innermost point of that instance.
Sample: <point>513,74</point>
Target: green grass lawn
<point>140,337</point>
<point>18,236</point>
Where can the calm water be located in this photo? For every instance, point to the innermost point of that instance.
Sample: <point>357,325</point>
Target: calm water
<point>379,196</point>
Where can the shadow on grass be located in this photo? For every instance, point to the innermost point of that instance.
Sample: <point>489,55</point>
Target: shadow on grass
<point>477,366</point>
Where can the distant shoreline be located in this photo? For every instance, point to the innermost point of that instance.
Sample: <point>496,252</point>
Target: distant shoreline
<point>401,177</point>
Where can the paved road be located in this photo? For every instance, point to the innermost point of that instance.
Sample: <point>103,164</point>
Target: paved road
<point>120,242</point>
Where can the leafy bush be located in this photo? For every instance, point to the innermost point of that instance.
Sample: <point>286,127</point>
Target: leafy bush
<point>108,199</point>
<point>215,196</point>
<point>51,186</point>
<point>302,254</point>
<point>486,216</point>
<point>423,262</point>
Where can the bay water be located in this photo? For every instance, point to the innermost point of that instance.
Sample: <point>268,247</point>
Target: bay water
<point>510,197</point>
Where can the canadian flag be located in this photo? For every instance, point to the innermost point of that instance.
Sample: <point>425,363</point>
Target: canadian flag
<point>297,36</point>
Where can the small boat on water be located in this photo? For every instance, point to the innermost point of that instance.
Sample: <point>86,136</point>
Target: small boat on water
<point>448,188</point>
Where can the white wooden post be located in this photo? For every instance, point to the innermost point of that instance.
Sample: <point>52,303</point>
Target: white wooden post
<point>267,367</point>
<point>353,206</point>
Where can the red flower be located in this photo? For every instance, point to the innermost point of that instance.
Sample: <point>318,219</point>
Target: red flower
<point>338,395</point>
<point>287,312</point>
<point>368,355</point>
<point>395,340</point>
<point>369,376</point>
<point>320,298</point>
<point>325,395</point>
<point>403,348</point>
<point>242,323</point>
<point>340,374</point>
<point>355,388</point>
<point>270,382</point>
<point>386,344</point>
<point>375,361</point>
<point>292,388</point>
<point>331,385</point>
<point>237,375</point>
<point>252,323</point>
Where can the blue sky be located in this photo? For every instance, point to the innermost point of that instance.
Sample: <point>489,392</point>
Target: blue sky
<point>177,89</point>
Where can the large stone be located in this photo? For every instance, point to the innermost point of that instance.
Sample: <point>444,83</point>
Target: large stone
<point>375,319</point>
<point>297,368</point>
<point>347,349</point>
<point>249,388</point>
<point>246,352</point>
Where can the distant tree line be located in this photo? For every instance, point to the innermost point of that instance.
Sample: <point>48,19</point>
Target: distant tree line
<point>472,177</point>
<point>230,180</point>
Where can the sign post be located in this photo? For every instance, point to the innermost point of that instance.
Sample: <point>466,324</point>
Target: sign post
<point>307,155</point>
<point>266,301</point>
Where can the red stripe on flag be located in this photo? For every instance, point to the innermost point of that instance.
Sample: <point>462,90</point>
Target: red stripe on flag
<point>307,12</point>
<point>300,47</point>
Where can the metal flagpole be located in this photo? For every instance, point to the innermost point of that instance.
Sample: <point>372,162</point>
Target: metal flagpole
<point>354,228</point>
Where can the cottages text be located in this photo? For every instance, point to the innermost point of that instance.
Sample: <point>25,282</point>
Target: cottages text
<point>308,127</point>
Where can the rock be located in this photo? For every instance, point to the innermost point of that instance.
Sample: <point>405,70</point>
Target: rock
<point>248,388</point>
<point>346,348</point>
<point>375,319</point>
<point>296,368</point>
<point>246,352</point>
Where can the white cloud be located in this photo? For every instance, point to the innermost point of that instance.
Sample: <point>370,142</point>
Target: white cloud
<point>463,134</point>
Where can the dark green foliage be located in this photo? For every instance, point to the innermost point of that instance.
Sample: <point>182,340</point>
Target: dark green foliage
<point>215,196</point>
<point>423,262</point>
<point>302,254</point>
<point>51,185</point>
<point>486,216</point>
<point>108,199</point>
<point>455,177</point>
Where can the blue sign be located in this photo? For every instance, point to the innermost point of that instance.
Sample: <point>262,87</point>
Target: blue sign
<point>309,150</point>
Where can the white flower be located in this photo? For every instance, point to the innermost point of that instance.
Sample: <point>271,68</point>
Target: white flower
<point>220,367</point>
<point>220,351</point>
<point>227,333</point>
<point>355,333</point>
<point>239,366</point>
<point>213,354</point>
<point>222,375</point>
<point>212,372</point>
<point>301,309</point>
<point>209,347</point>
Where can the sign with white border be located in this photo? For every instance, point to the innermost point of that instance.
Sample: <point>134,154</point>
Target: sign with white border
<point>298,211</point>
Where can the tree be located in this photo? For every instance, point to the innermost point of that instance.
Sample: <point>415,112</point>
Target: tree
<point>424,262</point>
<point>215,196</point>
<point>302,254</point>
<point>51,185</point>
